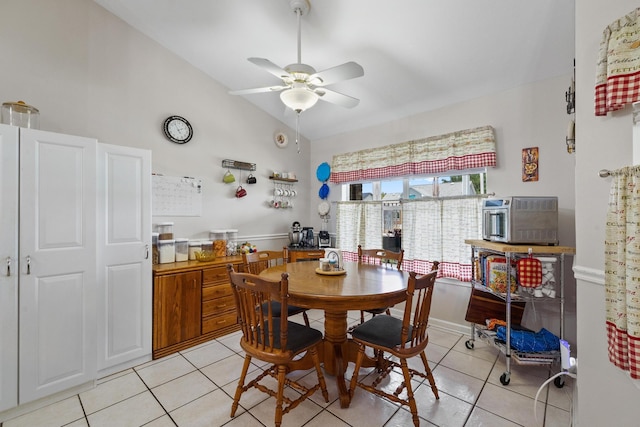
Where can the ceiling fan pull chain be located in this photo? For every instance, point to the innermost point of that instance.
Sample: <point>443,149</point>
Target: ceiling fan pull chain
<point>297,131</point>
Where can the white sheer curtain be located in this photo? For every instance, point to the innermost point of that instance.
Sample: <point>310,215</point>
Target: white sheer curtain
<point>358,223</point>
<point>435,230</point>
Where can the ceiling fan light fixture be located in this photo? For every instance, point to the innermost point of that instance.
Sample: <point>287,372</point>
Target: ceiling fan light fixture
<point>299,98</point>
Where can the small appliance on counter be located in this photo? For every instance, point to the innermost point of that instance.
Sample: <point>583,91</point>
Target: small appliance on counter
<point>324,239</point>
<point>295,235</point>
<point>520,220</point>
<point>308,239</point>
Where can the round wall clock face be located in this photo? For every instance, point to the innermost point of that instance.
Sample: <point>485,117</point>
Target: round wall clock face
<point>324,207</point>
<point>281,139</point>
<point>178,129</point>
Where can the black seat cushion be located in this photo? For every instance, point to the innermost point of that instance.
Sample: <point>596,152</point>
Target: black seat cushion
<point>276,309</point>
<point>298,336</point>
<point>382,330</point>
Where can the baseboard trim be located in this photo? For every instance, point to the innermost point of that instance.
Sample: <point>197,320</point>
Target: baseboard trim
<point>444,325</point>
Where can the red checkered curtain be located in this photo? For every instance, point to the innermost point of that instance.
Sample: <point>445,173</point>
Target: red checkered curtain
<point>618,68</point>
<point>457,151</point>
<point>622,270</point>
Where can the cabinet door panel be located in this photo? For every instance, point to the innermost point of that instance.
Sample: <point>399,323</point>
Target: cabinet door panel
<point>177,308</point>
<point>57,263</point>
<point>124,261</point>
<point>9,264</point>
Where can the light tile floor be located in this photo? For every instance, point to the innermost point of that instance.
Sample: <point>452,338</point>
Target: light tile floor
<point>195,388</point>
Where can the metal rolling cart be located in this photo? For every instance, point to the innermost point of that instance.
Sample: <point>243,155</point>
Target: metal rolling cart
<point>510,252</point>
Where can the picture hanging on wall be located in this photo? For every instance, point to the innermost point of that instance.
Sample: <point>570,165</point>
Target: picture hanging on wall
<point>529,164</point>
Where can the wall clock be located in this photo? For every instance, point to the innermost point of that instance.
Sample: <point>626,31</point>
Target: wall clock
<point>178,129</point>
<point>281,140</point>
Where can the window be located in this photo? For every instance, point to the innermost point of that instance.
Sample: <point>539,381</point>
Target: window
<point>427,216</point>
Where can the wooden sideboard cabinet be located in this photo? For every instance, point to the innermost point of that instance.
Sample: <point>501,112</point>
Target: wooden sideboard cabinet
<point>192,303</point>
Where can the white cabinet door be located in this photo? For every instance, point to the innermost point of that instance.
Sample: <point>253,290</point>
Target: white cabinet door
<point>124,259</point>
<point>8,267</point>
<point>57,336</point>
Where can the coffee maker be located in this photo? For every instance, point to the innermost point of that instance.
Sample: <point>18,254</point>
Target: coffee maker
<point>324,239</point>
<point>308,239</point>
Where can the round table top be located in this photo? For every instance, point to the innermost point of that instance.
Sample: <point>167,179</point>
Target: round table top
<point>362,287</point>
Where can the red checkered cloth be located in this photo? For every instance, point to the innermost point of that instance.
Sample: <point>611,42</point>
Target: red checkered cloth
<point>529,272</point>
<point>624,350</point>
<point>618,67</point>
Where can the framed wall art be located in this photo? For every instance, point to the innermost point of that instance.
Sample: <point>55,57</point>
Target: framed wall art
<point>530,164</point>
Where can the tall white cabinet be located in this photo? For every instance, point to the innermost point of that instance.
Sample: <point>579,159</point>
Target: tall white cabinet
<point>64,313</point>
<point>8,273</point>
<point>124,257</point>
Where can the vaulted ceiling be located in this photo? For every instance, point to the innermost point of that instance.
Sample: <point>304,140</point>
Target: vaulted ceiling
<point>417,55</point>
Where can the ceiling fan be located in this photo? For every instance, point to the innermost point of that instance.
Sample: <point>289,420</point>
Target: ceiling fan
<point>301,85</point>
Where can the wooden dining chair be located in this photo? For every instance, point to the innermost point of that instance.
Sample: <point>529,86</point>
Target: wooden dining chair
<point>255,262</point>
<point>382,257</point>
<point>401,339</point>
<point>274,340</point>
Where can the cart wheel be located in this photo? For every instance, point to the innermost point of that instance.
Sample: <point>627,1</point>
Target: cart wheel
<point>559,382</point>
<point>469,344</point>
<point>505,378</point>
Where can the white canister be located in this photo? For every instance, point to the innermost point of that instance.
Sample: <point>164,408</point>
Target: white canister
<point>166,251</point>
<point>182,249</point>
<point>165,229</point>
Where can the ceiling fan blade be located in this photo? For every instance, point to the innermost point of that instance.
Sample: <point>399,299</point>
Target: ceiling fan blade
<point>257,90</point>
<point>270,67</point>
<point>337,98</point>
<point>346,71</point>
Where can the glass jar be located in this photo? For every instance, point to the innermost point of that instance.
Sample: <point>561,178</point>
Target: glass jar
<point>207,247</point>
<point>232,242</point>
<point>194,246</point>
<point>219,238</point>
<point>166,251</point>
<point>182,249</point>
<point>20,114</point>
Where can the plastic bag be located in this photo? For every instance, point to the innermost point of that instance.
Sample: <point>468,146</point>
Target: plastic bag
<point>529,341</point>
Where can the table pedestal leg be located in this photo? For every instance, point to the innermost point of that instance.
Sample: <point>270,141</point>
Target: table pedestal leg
<point>335,333</point>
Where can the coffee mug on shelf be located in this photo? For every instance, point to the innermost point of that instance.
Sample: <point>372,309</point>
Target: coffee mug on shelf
<point>241,192</point>
<point>228,177</point>
<point>251,179</point>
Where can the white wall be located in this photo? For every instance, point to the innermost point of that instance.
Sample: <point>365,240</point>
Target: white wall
<point>605,394</point>
<point>91,74</point>
<point>528,116</point>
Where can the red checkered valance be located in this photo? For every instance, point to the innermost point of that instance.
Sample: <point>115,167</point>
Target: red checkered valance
<point>618,67</point>
<point>457,151</point>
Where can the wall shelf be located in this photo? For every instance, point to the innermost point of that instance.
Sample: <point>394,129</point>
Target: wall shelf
<point>282,179</point>
<point>234,164</point>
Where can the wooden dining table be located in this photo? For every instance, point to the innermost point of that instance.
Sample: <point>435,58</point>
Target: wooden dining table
<point>360,287</point>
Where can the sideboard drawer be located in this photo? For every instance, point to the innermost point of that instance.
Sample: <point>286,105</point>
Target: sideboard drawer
<point>295,255</point>
<point>218,306</point>
<point>215,275</point>
<point>216,291</point>
<point>218,322</point>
